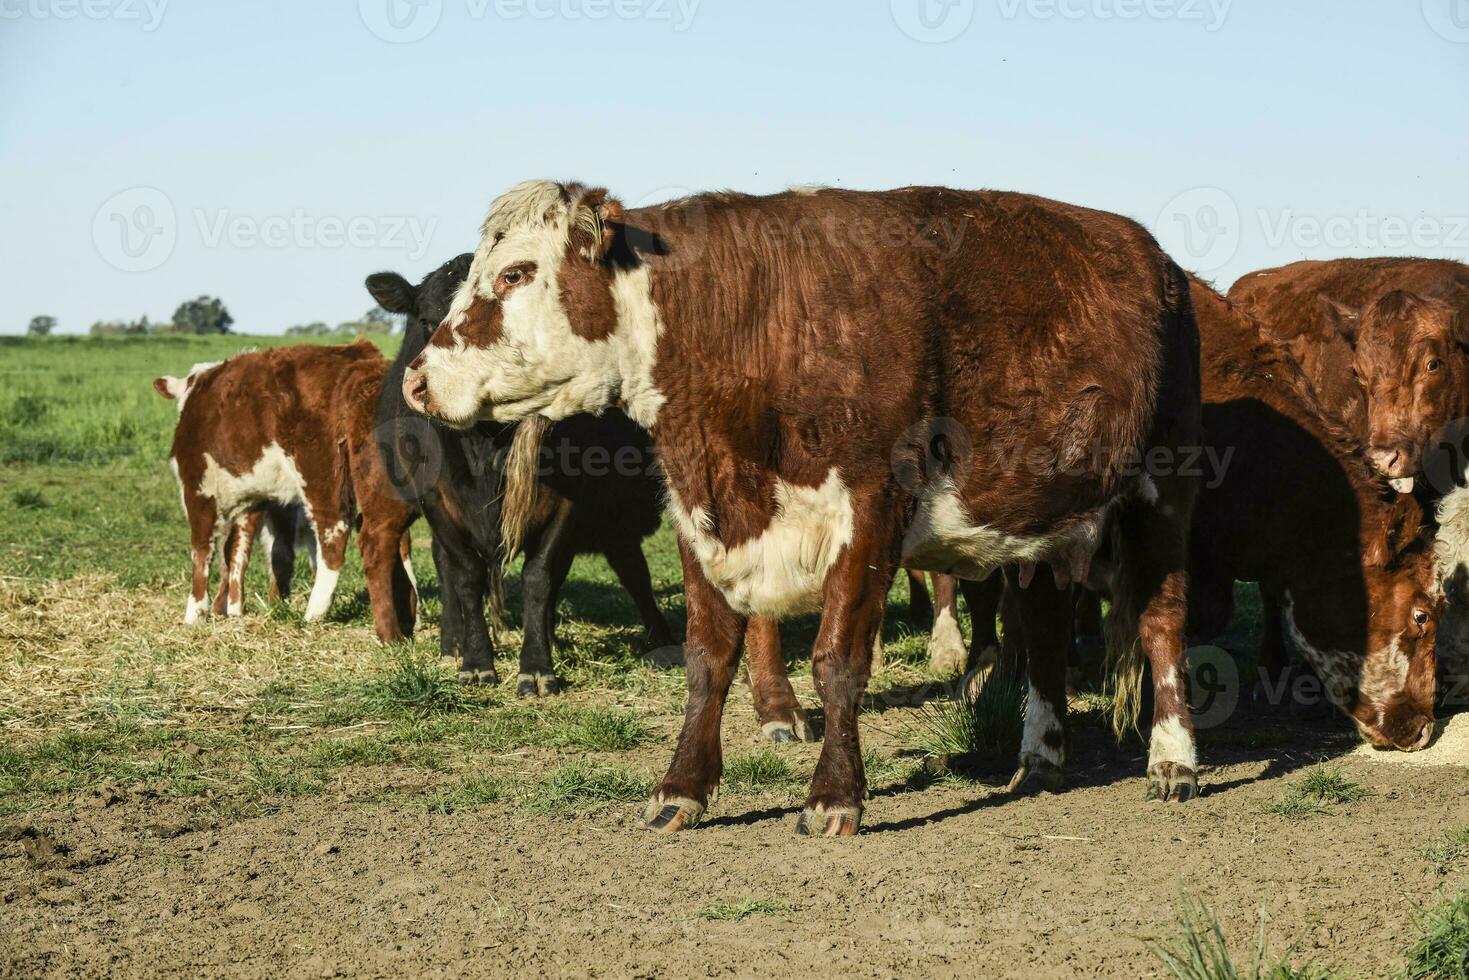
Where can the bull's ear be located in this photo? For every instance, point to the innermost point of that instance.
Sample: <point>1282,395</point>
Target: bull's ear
<point>392,292</point>
<point>594,218</point>
<point>1345,319</point>
<point>168,386</point>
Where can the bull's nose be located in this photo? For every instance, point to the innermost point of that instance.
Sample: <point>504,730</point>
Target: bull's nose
<point>415,391</point>
<point>1390,461</point>
<point>1424,737</point>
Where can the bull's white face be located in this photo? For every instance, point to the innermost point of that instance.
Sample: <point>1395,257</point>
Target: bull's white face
<point>536,328</point>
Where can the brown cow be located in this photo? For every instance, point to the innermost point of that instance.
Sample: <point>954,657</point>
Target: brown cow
<point>795,358</point>
<point>1340,559</point>
<point>1398,326</point>
<point>292,425</point>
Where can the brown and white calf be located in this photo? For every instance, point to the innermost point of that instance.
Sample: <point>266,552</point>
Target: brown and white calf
<point>1391,332</point>
<point>281,428</point>
<point>793,357</point>
<point>1345,566</point>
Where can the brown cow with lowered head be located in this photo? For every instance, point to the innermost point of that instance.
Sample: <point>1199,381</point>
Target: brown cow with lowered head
<point>795,358</point>
<point>1392,332</point>
<point>288,426</point>
<point>1344,565</point>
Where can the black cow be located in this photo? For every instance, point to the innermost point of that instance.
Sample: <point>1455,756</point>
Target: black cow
<point>597,491</point>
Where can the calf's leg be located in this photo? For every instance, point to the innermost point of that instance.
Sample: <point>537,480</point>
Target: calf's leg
<point>548,557</point>
<point>1043,613</point>
<point>331,548</point>
<point>203,533</point>
<point>946,650</point>
<point>776,707</point>
<point>631,567</point>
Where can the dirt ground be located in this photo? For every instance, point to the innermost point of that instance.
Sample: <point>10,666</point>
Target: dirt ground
<point>947,878</point>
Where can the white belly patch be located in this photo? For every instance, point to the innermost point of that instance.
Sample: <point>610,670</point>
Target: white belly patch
<point>273,477</point>
<point>782,571</point>
<point>944,538</point>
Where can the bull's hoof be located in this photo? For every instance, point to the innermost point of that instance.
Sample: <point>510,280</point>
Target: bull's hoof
<point>947,651</point>
<point>536,685</point>
<point>670,814</point>
<point>820,820</point>
<point>1036,774</point>
<point>788,731</point>
<point>477,676</point>
<point>1171,782</point>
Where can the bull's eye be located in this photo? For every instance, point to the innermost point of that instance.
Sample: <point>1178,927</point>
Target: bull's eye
<point>513,276</point>
<point>1434,364</point>
<point>1420,618</point>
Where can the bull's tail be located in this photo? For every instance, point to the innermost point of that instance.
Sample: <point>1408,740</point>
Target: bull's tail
<point>518,502</point>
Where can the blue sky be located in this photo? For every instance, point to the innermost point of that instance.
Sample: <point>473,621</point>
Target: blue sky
<point>275,153</point>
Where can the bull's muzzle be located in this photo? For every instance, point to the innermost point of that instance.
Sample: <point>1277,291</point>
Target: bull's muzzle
<point>415,388</point>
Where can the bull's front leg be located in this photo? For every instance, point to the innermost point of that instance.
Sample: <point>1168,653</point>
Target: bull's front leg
<point>776,707</point>
<point>714,638</point>
<point>851,617</point>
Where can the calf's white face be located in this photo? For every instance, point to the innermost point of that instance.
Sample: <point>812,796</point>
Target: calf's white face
<point>538,327</point>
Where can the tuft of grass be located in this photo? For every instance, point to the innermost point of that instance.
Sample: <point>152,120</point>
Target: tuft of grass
<point>417,686</point>
<point>582,786</point>
<point>1199,950</point>
<point>470,793</point>
<point>740,911</point>
<point>1442,949</point>
<point>27,499</point>
<point>756,771</point>
<point>1320,786</point>
<point>1451,851</point>
<point>986,723</point>
<point>600,730</point>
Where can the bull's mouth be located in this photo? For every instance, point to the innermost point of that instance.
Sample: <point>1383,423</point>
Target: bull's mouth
<point>1413,743</point>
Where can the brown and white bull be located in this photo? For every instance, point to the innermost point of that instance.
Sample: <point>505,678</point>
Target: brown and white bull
<point>1397,327</point>
<point>288,427</point>
<point>1345,566</point>
<point>796,358</point>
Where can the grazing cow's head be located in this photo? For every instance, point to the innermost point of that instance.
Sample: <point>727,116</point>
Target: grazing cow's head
<point>1412,359</point>
<point>178,388</point>
<point>534,328</point>
<point>1395,688</point>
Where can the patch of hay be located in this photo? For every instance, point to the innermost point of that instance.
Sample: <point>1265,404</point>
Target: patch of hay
<point>1450,747</point>
<point>84,653</point>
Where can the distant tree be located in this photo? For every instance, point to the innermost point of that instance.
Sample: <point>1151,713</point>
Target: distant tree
<point>375,321</point>
<point>41,326</point>
<point>317,329</point>
<point>202,316</point>
<point>119,328</point>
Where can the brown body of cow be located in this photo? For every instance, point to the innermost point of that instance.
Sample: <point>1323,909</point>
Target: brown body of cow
<point>1385,342</point>
<point>284,427</point>
<point>797,358</point>
<point>1341,560</point>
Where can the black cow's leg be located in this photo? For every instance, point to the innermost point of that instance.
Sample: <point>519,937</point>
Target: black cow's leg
<point>716,634</point>
<point>631,567</point>
<point>1043,613</point>
<point>851,616</point>
<point>983,600</point>
<point>548,556</point>
<point>451,626</point>
<point>920,609</point>
<point>468,578</point>
<point>776,707</point>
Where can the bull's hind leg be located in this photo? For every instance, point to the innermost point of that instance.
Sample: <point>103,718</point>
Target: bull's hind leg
<point>712,652</point>
<point>776,707</point>
<point>1044,614</point>
<point>238,545</point>
<point>1153,594</point>
<point>203,535</point>
<point>331,548</point>
<point>946,650</point>
<point>852,607</point>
